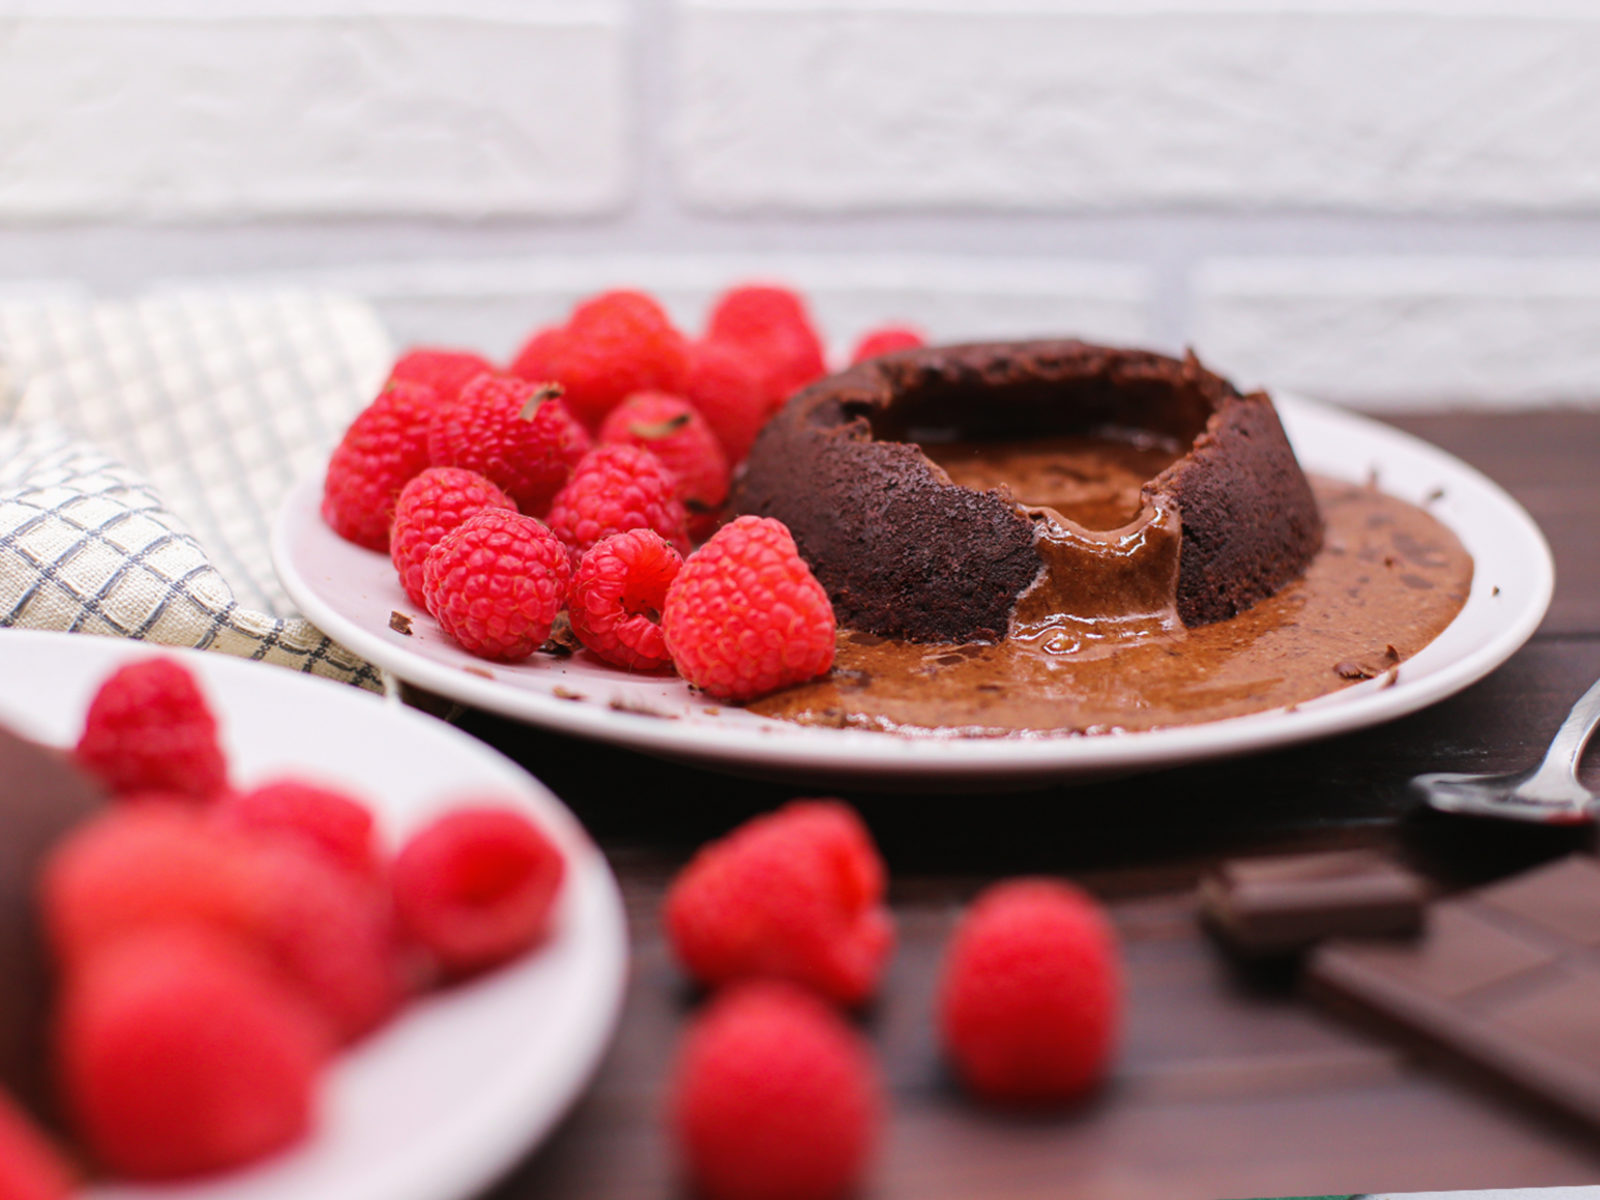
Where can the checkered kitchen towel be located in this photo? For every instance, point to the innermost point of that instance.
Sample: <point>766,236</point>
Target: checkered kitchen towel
<point>145,446</point>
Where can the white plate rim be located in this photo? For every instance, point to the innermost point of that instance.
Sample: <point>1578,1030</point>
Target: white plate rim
<point>1405,465</point>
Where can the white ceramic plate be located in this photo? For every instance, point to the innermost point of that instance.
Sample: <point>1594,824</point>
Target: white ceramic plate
<point>350,593</point>
<point>439,1102</point>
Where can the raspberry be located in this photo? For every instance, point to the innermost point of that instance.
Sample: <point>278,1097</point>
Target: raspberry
<point>429,507</point>
<point>796,895</point>
<point>1029,998</point>
<point>477,887</point>
<point>613,490</point>
<point>729,388</point>
<point>31,1168</point>
<point>615,344</point>
<point>774,1097</point>
<point>520,436</point>
<point>180,1053</point>
<point>772,323</point>
<point>149,729</point>
<point>445,371</point>
<point>384,447</point>
<point>495,584</point>
<point>745,616</point>
<point>671,429</point>
<point>616,597</point>
<point>322,819</point>
<point>156,866</point>
<point>885,340</point>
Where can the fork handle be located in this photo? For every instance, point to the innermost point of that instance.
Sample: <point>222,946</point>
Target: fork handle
<point>1560,763</point>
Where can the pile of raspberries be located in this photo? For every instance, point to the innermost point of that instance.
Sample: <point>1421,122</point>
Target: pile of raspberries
<point>579,477</point>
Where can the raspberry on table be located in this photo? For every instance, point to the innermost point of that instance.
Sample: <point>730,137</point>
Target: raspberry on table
<point>384,447</point>
<point>181,1053</point>
<point>518,434</point>
<point>745,616</point>
<point>495,584</point>
<point>797,895</point>
<point>445,371</point>
<point>477,887</point>
<point>430,506</point>
<point>326,820</point>
<point>616,597</point>
<point>153,866</point>
<point>1029,997</point>
<point>773,325</point>
<point>149,729</point>
<point>885,340</point>
<point>728,387</point>
<point>774,1097</point>
<point>615,489</point>
<point>671,429</point>
<point>31,1167</point>
<point>614,344</point>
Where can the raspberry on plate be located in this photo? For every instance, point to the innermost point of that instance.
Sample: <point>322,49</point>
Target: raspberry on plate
<point>745,616</point>
<point>324,819</point>
<point>728,387</point>
<point>771,323</point>
<point>615,344</point>
<point>774,1097</point>
<point>616,598</point>
<point>613,490</point>
<point>671,429</point>
<point>885,340</point>
<point>445,371</point>
<point>1029,997</point>
<point>797,895</point>
<point>520,435</point>
<point>149,729</point>
<point>31,1168</point>
<point>180,1053</point>
<point>385,446</point>
<point>430,506</point>
<point>495,584</point>
<point>477,887</point>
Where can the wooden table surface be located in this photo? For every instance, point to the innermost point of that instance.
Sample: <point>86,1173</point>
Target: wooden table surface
<point>1227,1083</point>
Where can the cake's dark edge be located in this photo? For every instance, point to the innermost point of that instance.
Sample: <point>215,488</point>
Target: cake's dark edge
<point>905,553</point>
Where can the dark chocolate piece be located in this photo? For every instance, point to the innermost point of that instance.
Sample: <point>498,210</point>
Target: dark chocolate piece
<point>1505,980</point>
<point>1271,905</point>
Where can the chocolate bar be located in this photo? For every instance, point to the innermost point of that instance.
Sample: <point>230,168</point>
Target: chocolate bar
<point>1271,905</point>
<point>1505,979</point>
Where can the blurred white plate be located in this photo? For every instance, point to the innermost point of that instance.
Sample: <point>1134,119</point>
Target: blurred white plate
<point>438,1103</point>
<point>350,593</point>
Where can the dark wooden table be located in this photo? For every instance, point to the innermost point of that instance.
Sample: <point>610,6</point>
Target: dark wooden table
<point>1227,1084</point>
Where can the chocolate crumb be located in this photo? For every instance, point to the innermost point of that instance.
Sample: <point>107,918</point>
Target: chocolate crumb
<point>479,671</point>
<point>1495,591</point>
<point>1434,496</point>
<point>562,693</point>
<point>1391,653</point>
<point>400,623</point>
<point>1390,677</point>
<point>562,643</point>
<point>618,704</point>
<point>1350,669</point>
<point>712,712</point>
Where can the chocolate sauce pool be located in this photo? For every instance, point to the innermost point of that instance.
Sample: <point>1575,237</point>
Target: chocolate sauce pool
<point>1387,582</point>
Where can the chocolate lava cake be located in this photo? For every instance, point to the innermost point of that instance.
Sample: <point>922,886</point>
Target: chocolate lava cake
<point>852,465</point>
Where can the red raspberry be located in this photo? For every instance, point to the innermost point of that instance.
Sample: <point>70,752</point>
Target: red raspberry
<point>445,371</point>
<point>772,323</point>
<point>615,344</point>
<point>495,584</point>
<point>520,436</point>
<point>384,447</point>
<point>477,887</point>
<point>671,429</point>
<point>429,507</point>
<point>149,729</point>
<point>795,895</point>
<point>886,340</point>
<point>615,489</point>
<point>774,1097</point>
<point>324,820</point>
<point>155,866</point>
<point>181,1053</point>
<point>31,1168</point>
<point>729,388</point>
<point>1029,998</point>
<point>745,616</point>
<point>616,597</point>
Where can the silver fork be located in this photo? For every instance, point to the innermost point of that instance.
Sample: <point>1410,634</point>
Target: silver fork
<point>1549,794</point>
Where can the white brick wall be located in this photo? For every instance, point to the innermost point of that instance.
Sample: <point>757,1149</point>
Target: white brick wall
<point>1388,202</point>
